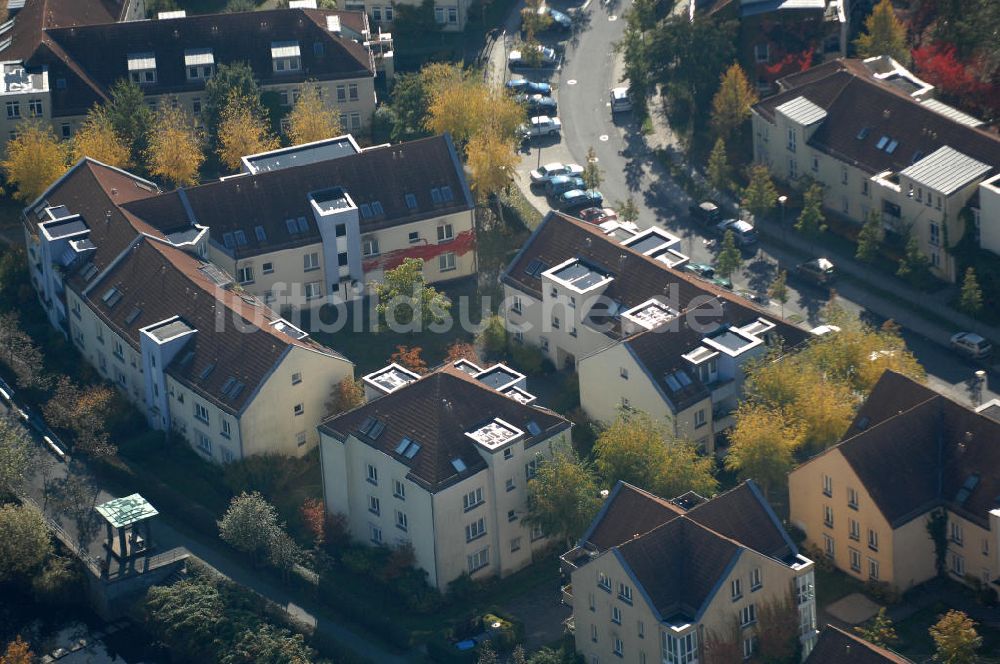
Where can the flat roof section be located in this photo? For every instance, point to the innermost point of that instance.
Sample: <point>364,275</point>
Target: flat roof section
<point>169,330</point>
<point>650,314</point>
<point>499,376</point>
<point>579,275</point>
<point>732,340</point>
<point>122,512</point>
<point>494,435</point>
<point>67,227</point>
<point>391,378</point>
<point>300,155</point>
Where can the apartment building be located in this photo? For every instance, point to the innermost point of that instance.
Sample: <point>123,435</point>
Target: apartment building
<point>642,334</point>
<point>873,134</point>
<point>685,580</point>
<point>449,15</point>
<point>59,59</point>
<point>198,357</point>
<point>315,224</point>
<point>837,646</point>
<point>441,462</point>
<point>910,453</point>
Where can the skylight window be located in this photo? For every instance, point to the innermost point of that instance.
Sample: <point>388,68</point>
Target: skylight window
<point>412,450</point>
<point>535,268</point>
<point>366,211</point>
<point>207,371</point>
<point>403,444</point>
<point>303,225</point>
<point>377,207</point>
<point>458,465</point>
<point>446,194</point>
<point>863,134</point>
<point>893,144</point>
<point>411,201</point>
<point>292,227</point>
<point>436,195</point>
<point>229,240</point>
<point>111,297</point>
<point>260,233</point>
<point>241,238</point>
<point>533,428</point>
<point>132,315</point>
<point>882,142</point>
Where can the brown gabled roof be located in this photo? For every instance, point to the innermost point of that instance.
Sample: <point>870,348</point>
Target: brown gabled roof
<point>835,646</point>
<point>937,452</point>
<point>383,174</point>
<point>892,394</point>
<point>855,100</point>
<point>628,513</point>
<point>234,339</point>
<point>436,412</point>
<point>39,15</point>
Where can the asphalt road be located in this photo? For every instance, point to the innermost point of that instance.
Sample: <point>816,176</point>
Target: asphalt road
<point>587,72</point>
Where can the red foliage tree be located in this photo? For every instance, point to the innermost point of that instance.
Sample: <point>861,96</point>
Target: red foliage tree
<point>938,64</point>
<point>410,357</point>
<point>313,516</point>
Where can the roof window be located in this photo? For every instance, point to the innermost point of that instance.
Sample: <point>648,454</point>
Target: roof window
<point>111,297</point>
<point>411,201</point>
<point>882,142</point>
<point>260,233</point>
<point>229,240</point>
<point>241,238</point>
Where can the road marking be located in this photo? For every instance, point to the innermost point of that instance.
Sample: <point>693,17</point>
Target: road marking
<point>602,137</point>
<point>571,81</point>
<point>612,18</point>
<point>592,160</point>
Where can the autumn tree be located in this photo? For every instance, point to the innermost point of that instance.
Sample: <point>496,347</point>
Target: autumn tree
<point>718,166</point>
<point>404,299</point>
<point>242,131</point>
<point>235,79</point>
<point>870,238</point>
<point>130,117</point>
<point>778,631</point>
<point>18,456</point>
<point>637,450</point>
<point>563,496</point>
<point>35,159</point>
<point>461,350</point>
<point>20,353</point>
<point>82,412</point>
<point>732,102</point>
<point>762,444</point>
<point>729,259</point>
<point>760,195</point>
<point>283,553</point>
<point>345,395</point>
<point>97,138</point>
<point>411,358</point>
<point>628,212</point>
<point>955,638</point>
<point>311,118</point>
<point>971,300</point>
<point>492,162</point>
<point>592,175</point>
<point>467,106</point>
<point>312,514</point>
<point>879,630</point>
<point>174,151</point>
<point>534,19</point>
<point>812,221</point>
<point>884,34</point>
<point>778,290</point>
<point>18,651</point>
<point>249,524</point>
<point>25,541</point>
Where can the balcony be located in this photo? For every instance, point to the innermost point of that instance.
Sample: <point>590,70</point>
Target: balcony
<point>567,594</point>
<point>570,625</point>
<point>575,558</point>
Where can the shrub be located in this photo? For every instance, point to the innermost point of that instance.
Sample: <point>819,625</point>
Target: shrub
<point>528,359</point>
<point>882,591</point>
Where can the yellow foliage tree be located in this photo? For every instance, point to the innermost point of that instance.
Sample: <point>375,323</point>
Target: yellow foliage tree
<point>98,140</point>
<point>468,106</point>
<point>492,160</point>
<point>731,104</point>
<point>174,151</point>
<point>242,131</point>
<point>311,119</point>
<point>35,159</point>
<point>762,444</point>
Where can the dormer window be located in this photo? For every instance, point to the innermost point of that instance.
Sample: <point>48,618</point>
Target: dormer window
<point>199,63</point>
<point>285,56</point>
<point>142,68</point>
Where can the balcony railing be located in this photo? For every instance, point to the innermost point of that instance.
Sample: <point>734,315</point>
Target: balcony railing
<point>567,594</point>
<point>575,558</point>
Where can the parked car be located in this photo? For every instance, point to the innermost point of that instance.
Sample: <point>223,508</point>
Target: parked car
<point>541,125</point>
<point>6,391</point>
<point>560,184</point>
<point>546,58</point>
<point>706,212</point>
<point>971,345</point>
<point>819,271</point>
<point>820,330</point>
<point>537,104</point>
<point>754,296</point>
<point>597,215</point>
<point>743,232</point>
<point>525,86</point>
<point>707,272</point>
<point>543,174</point>
<point>578,198</point>
<point>620,101</point>
<point>560,21</point>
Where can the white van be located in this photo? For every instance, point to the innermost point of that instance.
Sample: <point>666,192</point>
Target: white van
<point>620,101</point>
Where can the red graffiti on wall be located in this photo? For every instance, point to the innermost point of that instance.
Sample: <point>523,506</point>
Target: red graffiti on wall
<point>462,244</point>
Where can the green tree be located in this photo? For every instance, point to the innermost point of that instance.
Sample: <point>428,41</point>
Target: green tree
<point>592,175</point>
<point>884,35</point>
<point>404,298</point>
<point>249,524</point>
<point>35,159</point>
<point>487,655</point>
<point>778,290</point>
<point>409,105</point>
<point>718,166</point>
<point>914,264</point>
<point>637,450</point>
<point>627,210</point>
<point>811,221</point>
<point>492,338</point>
<point>971,299</point>
<point>130,117</point>
<point>189,615</point>
<point>760,195</point>
<point>18,457</point>
<point>879,630</point>
<point>25,542</point>
<point>955,638</point>
<point>563,496</point>
<point>870,238</point>
<point>633,48</point>
<point>268,644</point>
<point>283,553</point>
<point>762,444</point>
<point>729,259</point>
<point>732,102</point>
<point>778,630</point>
<point>231,80</point>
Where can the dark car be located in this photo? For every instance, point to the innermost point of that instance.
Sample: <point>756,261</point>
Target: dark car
<point>819,271</point>
<point>538,104</point>
<point>525,86</point>
<point>560,184</point>
<point>707,213</point>
<point>578,198</point>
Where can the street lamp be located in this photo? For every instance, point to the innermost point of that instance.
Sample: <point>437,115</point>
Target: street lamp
<point>781,201</point>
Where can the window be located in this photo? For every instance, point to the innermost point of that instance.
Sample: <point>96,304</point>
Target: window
<point>414,237</point>
<point>555,322</point>
<point>475,530</point>
<point>340,230</point>
<point>828,547</point>
<point>227,431</point>
<point>791,139</point>
<point>509,485</point>
<point>845,205</point>
<point>619,646</point>
<point>300,439</point>
<point>352,91</point>
<point>603,581</point>
<point>445,233</point>
<point>755,582</point>
<point>374,534</point>
<point>855,559</point>
<point>298,409</point>
<point>201,413</point>
<point>625,593</point>
<point>245,274</point>
<point>827,485</point>
<point>374,506</point>
<point>572,330</point>
<point>593,635</point>
<point>515,544</point>
<point>296,378</point>
<point>843,175</point>
<point>828,516</point>
<point>447,262</point>
<point>641,630</point>
<point>13,109</point>
<point>376,13</point>
<point>341,93</point>
<point>957,536</point>
<point>957,564</point>
<point>204,443</point>
<point>986,547</point>
<point>35,107</point>
<point>543,343</point>
<point>439,14</point>
<point>736,589</point>
<point>369,246</point>
<point>452,15</point>
<point>411,201</point>
<point>511,515</point>
<point>196,105</point>
<point>852,498</point>
<point>66,132</point>
<point>872,540</point>
<point>314,289</point>
<point>748,615</point>
<point>873,569</point>
<point>623,372</point>
<point>398,490</point>
<point>310,262</point>
<point>793,169</point>
<point>388,12</point>
<point>530,469</point>
<point>699,418</point>
<point>515,304</point>
<point>472,499</point>
<point>815,164</point>
<point>355,121</point>
<point>854,531</point>
<point>401,521</point>
<point>479,560</point>
<point>748,647</point>
<point>864,187</point>
<point>342,259</point>
<point>508,454</point>
<point>537,533</point>
<point>267,268</point>
<point>935,234</point>
<point>762,52</point>
<point>679,649</point>
<point>373,474</point>
<point>616,615</point>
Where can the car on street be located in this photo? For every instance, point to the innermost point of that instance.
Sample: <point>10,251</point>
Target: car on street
<point>620,101</point>
<point>575,199</point>
<point>546,57</point>
<point>754,296</point>
<point>819,271</point>
<point>560,21</point>
<point>820,330</point>
<point>743,232</point>
<point>706,213</point>
<point>560,184</point>
<point>541,125</point>
<point>543,174</point>
<point>524,86</point>
<point>971,345</point>
<point>597,215</point>
<point>537,104</point>
<point>707,272</point>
